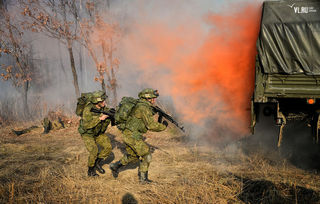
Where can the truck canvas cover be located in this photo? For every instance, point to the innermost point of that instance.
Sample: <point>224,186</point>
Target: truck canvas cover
<point>289,39</point>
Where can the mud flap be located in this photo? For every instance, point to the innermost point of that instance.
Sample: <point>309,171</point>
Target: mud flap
<point>280,137</point>
<point>280,120</point>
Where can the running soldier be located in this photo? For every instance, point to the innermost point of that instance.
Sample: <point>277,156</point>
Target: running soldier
<point>92,129</point>
<point>139,122</point>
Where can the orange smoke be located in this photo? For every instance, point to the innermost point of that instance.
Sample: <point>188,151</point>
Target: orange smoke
<point>208,73</point>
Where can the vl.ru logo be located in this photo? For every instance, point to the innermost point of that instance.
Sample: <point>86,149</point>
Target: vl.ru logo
<point>301,9</point>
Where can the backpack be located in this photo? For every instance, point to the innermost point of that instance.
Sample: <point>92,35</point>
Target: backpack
<point>82,101</point>
<point>123,111</point>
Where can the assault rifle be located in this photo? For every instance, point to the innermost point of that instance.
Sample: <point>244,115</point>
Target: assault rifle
<point>163,114</point>
<point>109,113</point>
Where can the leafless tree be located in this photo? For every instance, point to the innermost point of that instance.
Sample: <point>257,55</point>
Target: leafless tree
<point>100,38</point>
<point>16,63</point>
<point>57,19</point>
<point>82,21</point>
<point>3,4</point>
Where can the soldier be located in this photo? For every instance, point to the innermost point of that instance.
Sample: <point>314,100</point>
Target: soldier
<point>54,121</point>
<point>139,122</point>
<point>92,129</point>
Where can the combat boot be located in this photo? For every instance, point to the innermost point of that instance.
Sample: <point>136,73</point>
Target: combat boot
<point>98,165</point>
<point>46,125</point>
<point>143,178</point>
<point>92,172</point>
<point>115,168</point>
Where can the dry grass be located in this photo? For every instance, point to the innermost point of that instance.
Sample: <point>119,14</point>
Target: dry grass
<point>51,168</point>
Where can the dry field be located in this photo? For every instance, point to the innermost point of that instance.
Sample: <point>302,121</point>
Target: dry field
<point>37,168</point>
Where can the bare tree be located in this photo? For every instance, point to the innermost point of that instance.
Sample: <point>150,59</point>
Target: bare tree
<point>3,4</point>
<point>57,19</point>
<point>16,63</point>
<point>69,21</point>
<point>99,38</point>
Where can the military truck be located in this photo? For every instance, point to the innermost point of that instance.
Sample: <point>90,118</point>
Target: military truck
<point>287,69</point>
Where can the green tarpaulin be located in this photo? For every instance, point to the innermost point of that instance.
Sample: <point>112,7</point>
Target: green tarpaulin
<point>289,39</point>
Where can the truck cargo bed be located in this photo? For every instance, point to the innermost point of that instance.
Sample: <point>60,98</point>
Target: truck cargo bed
<point>292,86</point>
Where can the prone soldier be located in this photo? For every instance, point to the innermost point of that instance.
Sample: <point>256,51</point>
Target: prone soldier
<point>54,121</point>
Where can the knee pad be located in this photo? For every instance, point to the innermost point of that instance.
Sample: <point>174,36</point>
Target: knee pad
<point>148,158</point>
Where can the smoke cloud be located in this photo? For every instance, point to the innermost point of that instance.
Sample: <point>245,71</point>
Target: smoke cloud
<point>204,62</point>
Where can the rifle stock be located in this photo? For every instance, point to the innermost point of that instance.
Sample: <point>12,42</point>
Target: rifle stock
<point>109,113</point>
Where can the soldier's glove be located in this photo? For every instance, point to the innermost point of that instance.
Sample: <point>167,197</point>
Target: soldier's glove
<point>165,123</point>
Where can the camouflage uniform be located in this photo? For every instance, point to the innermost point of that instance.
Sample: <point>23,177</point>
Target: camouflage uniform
<point>139,122</point>
<point>51,122</point>
<point>51,125</point>
<point>92,131</point>
<point>55,120</point>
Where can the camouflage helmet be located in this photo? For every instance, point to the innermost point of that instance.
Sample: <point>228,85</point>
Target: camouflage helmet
<point>148,93</point>
<point>98,96</point>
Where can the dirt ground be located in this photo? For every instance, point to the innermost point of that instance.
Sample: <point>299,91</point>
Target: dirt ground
<point>51,168</point>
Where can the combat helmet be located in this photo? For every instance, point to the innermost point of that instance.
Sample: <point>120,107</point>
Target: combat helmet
<point>98,96</point>
<point>148,93</point>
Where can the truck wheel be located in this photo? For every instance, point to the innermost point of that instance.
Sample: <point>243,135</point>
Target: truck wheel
<point>266,131</point>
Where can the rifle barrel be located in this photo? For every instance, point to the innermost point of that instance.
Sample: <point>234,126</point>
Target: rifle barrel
<point>168,117</point>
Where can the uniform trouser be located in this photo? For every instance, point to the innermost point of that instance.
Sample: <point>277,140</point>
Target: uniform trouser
<point>91,142</point>
<point>52,125</point>
<point>137,150</point>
